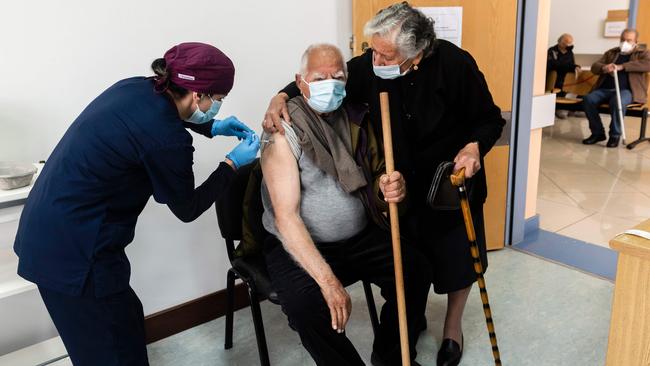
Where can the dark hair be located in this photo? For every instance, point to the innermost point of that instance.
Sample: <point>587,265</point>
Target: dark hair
<point>163,83</point>
<point>631,30</point>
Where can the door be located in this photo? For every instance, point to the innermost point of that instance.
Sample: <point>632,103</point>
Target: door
<point>489,28</point>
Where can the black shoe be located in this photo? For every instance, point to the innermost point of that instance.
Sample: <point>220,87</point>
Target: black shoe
<point>613,141</point>
<point>593,139</point>
<point>450,352</point>
<point>377,360</point>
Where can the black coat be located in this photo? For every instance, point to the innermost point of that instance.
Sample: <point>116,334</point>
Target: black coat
<point>558,61</point>
<point>435,111</point>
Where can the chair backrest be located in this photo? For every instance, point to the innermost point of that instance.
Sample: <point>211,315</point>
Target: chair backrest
<point>551,76</point>
<point>229,205</point>
<point>239,213</point>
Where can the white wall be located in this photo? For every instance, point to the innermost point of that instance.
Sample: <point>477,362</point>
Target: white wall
<point>58,55</point>
<point>585,20</point>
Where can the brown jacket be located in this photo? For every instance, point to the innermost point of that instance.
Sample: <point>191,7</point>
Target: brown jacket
<point>636,68</point>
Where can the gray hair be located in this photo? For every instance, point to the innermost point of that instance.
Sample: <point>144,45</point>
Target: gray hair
<point>560,38</point>
<point>411,30</point>
<point>323,47</point>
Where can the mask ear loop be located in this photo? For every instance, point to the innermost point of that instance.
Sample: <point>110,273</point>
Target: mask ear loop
<point>304,81</point>
<point>413,65</point>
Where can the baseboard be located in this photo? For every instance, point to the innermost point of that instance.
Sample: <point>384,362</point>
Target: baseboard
<point>174,320</point>
<point>531,225</point>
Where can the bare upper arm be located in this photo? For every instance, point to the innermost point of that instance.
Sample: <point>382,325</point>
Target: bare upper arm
<point>281,175</point>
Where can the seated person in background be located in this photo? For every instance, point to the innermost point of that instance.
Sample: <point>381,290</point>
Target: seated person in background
<point>323,206</point>
<point>631,62</point>
<point>560,59</point>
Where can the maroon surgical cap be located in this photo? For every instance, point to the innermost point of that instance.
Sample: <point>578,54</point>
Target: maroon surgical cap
<point>200,67</point>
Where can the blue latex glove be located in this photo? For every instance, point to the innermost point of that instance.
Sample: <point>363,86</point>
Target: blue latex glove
<point>230,126</point>
<point>246,151</point>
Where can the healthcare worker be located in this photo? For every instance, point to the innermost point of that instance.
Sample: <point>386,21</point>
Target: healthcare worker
<point>130,143</point>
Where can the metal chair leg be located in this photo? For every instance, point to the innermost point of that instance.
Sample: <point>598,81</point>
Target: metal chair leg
<point>230,308</point>
<point>372,308</point>
<point>642,132</point>
<point>259,326</point>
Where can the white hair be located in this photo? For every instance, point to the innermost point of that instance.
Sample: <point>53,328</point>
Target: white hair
<point>304,61</point>
<point>409,28</point>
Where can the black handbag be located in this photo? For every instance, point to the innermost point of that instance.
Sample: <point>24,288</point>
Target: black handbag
<point>443,196</point>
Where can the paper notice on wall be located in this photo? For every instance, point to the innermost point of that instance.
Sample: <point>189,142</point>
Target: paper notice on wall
<point>448,22</point>
<point>613,29</point>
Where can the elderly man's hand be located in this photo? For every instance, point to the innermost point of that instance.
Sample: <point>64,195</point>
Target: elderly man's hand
<point>609,68</point>
<point>393,187</point>
<point>276,111</point>
<point>469,158</point>
<point>339,303</point>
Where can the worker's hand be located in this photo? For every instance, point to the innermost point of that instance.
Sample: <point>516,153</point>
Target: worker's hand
<point>469,158</point>
<point>246,151</point>
<point>619,67</point>
<point>230,126</point>
<point>609,68</point>
<point>275,113</point>
<point>338,301</point>
<point>393,187</point>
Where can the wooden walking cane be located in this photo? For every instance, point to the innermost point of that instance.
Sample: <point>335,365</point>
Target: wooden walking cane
<point>394,229</point>
<point>458,180</point>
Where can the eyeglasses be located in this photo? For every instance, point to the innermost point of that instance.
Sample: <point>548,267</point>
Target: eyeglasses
<point>212,99</point>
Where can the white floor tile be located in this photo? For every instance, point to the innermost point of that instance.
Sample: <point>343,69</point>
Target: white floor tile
<point>640,181</point>
<point>556,216</point>
<point>598,229</point>
<point>557,197</point>
<point>595,182</point>
<point>546,185</point>
<point>631,206</point>
<point>610,187</point>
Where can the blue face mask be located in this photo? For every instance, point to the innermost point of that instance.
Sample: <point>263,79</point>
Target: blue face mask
<point>326,95</point>
<point>200,117</point>
<point>389,71</point>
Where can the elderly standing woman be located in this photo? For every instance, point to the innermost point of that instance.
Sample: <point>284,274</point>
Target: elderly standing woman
<point>441,110</point>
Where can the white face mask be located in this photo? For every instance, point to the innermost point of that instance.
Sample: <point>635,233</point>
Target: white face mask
<point>390,71</point>
<point>626,47</point>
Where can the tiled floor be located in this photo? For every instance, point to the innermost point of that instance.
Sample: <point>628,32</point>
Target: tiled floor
<point>544,313</point>
<point>592,193</point>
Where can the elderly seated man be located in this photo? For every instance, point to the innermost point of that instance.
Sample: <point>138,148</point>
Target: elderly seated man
<point>631,62</point>
<point>560,59</point>
<point>321,192</point>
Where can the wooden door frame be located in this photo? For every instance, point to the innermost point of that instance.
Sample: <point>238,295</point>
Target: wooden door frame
<point>522,102</point>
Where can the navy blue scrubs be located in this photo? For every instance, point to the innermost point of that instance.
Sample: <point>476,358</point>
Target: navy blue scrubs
<point>126,146</point>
